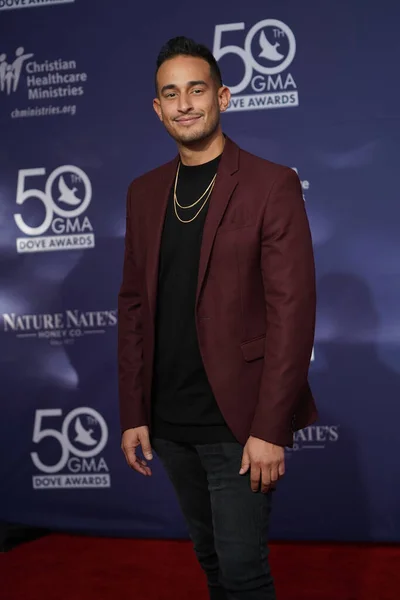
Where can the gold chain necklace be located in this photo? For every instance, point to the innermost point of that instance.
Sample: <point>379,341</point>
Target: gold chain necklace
<point>208,191</point>
<point>198,212</point>
<point>201,197</point>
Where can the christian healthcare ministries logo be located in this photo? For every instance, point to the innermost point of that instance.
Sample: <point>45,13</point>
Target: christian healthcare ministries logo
<point>11,4</point>
<point>66,196</point>
<point>269,49</point>
<point>45,81</point>
<point>81,437</point>
<point>10,73</point>
<point>62,328</point>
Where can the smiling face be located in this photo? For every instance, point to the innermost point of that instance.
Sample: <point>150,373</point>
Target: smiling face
<point>189,100</point>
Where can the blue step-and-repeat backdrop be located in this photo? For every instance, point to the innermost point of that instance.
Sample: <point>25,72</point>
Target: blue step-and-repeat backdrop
<point>314,87</point>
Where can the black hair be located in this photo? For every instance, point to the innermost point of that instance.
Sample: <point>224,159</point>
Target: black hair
<point>183,46</point>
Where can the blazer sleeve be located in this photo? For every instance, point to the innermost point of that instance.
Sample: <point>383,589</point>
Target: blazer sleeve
<point>130,335</point>
<point>288,272</point>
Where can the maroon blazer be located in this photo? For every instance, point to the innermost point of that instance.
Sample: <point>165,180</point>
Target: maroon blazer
<point>255,301</point>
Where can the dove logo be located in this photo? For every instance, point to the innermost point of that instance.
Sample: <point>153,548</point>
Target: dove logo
<point>269,49</point>
<point>66,194</point>
<point>66,197</point>
<point>83,436</point>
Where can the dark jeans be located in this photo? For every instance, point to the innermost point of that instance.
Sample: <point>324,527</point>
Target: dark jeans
<point>227,522</point>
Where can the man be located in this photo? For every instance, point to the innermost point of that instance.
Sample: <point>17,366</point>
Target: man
<point>216,324</point>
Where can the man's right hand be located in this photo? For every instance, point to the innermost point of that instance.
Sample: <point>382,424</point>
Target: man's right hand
<point>131,439</point>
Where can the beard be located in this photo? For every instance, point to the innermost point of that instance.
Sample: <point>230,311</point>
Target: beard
<point>197,133</point>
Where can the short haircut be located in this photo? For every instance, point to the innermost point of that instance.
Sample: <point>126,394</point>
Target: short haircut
<point>183,46</point>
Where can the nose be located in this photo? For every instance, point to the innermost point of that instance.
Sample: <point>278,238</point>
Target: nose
<point>184,103</point>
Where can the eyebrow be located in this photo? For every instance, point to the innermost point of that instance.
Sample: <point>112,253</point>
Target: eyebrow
<point>172,86</point>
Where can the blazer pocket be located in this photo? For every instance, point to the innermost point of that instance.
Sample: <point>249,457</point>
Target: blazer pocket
<point>253,349</point>
<point>225,227</point>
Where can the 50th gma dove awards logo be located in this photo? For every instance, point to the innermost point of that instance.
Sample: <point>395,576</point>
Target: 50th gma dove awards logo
<point>76,441</point>
<point>65,198</point>
<point>265,55</point>
<point>12,4</point>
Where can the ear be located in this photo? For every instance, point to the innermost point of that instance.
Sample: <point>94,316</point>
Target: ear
<point>157,108</point>
<point>224,97</point>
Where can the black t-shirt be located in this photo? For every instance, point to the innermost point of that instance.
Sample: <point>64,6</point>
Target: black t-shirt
<point>184,407</point>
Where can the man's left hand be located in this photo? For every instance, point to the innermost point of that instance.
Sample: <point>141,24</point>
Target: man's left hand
<point>266,462</point>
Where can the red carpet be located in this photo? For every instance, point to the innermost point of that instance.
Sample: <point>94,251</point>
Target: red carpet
<point>61,567</point>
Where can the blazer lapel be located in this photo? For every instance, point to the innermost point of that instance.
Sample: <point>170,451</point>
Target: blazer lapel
<point>159,202</point>
<point>225,184</point>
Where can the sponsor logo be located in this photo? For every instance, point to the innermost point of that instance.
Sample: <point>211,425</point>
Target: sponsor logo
<point>315,437</point>
<point>268,51</point>
<point>81,437</point>
<point>12,4</point>
<point>59,328</point>
<point>66,197</point>
<point>305,184</point>
<point>50,82</point>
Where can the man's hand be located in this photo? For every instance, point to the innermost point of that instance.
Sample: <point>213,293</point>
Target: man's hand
<point>131,439</point>
<point>265,461</point>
